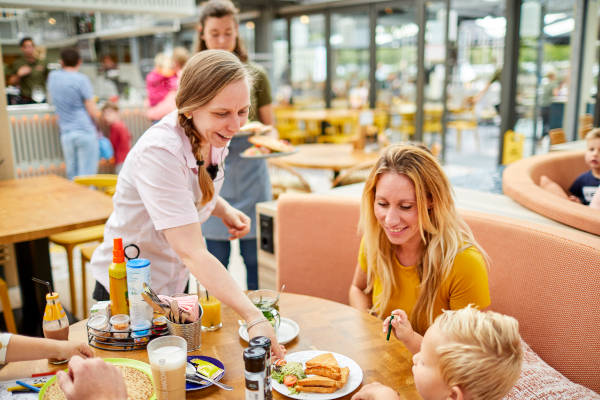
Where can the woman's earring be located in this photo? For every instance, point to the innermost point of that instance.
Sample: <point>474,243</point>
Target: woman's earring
<point>188,115</point>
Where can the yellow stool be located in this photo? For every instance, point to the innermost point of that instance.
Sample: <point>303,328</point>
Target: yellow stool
<point>86,257</point>
<point>106,183</point>
<point>9,318</point>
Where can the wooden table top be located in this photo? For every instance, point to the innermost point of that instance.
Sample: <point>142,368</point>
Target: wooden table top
<point>37,207</point>
<point>335,157</point>
<point>324,325</point>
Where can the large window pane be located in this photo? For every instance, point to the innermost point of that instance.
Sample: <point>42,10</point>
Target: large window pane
<point>309,60</point>
<point>396,74</point>
<point>350,45</point>
<point>281,82</point>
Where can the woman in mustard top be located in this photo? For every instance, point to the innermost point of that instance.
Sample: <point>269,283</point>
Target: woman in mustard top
<point>417,256</point>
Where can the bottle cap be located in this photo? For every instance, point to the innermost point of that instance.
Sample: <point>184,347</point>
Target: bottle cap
<point>118,253</point>
<point>254,359</point>
<point>261,341</point>
<point>138,263</point>
<point>52,296</point>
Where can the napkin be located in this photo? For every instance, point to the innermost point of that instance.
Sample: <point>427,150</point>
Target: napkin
<point>187,303</point>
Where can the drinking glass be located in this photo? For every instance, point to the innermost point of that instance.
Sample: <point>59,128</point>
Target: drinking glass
<point>168,356</point>
<point>267,301</point>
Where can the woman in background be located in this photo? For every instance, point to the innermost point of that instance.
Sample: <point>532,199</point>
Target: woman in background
<point>417,256</point>
<point>246,180</point>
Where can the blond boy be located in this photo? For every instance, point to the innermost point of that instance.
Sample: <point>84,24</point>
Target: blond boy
<point>585,186</point>
<point>465,355</point>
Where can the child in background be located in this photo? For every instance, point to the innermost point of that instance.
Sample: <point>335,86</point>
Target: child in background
<point>586,184</point>
<point>119,135</point>
<point>465,354</point>
<point>161,80</point>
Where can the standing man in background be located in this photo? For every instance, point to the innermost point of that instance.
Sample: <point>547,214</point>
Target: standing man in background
<point>71,93</point>
<point>29,73</point>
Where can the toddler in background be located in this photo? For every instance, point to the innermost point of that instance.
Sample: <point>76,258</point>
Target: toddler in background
<point>161,80</point>
<point>585,186</point>
<point>117,132</point>
<point>465,354</point>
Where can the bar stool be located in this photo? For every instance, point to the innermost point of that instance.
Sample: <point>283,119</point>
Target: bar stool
<point>86,257</point>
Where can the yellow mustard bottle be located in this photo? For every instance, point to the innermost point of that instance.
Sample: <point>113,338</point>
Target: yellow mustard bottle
<point>117,277</point>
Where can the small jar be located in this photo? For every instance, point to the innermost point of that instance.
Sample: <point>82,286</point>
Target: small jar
<point>120,325</point>
<point>140,331</point>
<point>159,325</point>
<point>99,326</point>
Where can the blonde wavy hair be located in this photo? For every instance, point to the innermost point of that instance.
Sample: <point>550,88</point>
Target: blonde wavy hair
<point>204,76</point>
<point>443,232</point>
<point>483,353</point>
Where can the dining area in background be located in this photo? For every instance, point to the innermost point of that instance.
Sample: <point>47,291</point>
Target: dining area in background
<point>32,210</point>
<point>326,125</point>
<point>320,326</point>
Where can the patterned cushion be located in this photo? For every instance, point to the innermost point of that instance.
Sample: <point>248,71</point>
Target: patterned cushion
<point>540,381</point>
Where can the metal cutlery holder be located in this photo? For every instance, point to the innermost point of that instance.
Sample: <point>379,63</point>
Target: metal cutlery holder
<point>124,340</point>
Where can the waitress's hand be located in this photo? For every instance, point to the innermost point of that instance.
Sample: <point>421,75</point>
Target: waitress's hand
<point>236,222</point>
<point>266,329</point>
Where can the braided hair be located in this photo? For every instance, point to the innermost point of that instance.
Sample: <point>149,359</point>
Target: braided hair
<point>203,77</point>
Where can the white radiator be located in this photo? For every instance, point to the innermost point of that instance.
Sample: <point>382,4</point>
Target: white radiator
<point>36,140</point>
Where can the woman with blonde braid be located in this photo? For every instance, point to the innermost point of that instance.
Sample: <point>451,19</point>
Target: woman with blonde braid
<point>170,184</point>
<point>417,256</point>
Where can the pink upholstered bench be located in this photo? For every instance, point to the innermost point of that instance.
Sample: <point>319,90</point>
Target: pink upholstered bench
<point>548,278</point>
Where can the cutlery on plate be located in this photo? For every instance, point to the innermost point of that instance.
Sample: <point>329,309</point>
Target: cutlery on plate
<point>190,369</point>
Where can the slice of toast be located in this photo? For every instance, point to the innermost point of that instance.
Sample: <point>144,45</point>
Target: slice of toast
<point>342,382</point>
<point>315,389</point>
<point>324,371</point>
<point>316,380</point>
<point>325,360</point>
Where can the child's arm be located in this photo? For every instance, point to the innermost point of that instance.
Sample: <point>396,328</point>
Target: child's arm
<point>376,391</point>
<point>23,348</point>
<point>403,331</point>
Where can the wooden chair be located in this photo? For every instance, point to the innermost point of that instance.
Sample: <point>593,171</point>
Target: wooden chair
<point>557,136</point>
<point>285,179</point>
<point>356,174</point>
<point>465,120</point>
<point>69,240</point>
<point>9,318</point>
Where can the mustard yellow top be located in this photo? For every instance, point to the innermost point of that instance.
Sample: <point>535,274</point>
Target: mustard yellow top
<point>466,284</point>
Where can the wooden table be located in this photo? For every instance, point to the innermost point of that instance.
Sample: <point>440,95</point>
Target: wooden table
<point>569,146</point>
<point>335,157</point>
<point>33,209</point>
<point>324,325</point>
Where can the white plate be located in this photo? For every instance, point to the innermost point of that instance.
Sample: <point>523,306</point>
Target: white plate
<point>271,155</point>
<point>288,330</point>
<point>354,378</point>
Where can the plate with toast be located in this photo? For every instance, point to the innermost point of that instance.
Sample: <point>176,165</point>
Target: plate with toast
<point>254,128</point>
<point>267,146</point>
<point>327,375</point>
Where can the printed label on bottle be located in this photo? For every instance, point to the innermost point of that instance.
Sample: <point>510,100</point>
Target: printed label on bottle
<point>255,389</point>
<point>53,311</point>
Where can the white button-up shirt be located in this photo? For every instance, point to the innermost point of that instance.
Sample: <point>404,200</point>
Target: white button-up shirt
<point>157,189</point>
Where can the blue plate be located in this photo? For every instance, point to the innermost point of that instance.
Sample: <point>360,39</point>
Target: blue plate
<point>194,386</point>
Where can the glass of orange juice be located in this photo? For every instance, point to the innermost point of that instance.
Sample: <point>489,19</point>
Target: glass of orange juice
<point>211,313</point>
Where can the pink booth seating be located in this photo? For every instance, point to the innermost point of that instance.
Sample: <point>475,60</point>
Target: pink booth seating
<point>521,179</point>
<point>547,278</point>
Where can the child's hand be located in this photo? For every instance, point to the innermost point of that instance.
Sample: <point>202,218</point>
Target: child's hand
<point>400,324</point>
<point>574,199</point>
<point>68,349</point>
<point>376,391</point>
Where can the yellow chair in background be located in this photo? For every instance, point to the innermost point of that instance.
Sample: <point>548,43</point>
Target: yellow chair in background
<point>103,182</point>
<point>557,136</point>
